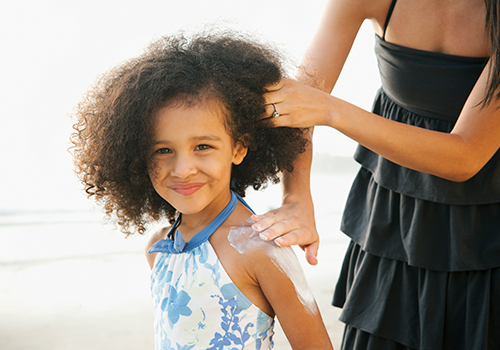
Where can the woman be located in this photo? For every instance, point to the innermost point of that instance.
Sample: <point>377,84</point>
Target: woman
<point>423,267</point>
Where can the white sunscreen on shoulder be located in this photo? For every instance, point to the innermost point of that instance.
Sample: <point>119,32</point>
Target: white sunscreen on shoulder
<point>244,238</point>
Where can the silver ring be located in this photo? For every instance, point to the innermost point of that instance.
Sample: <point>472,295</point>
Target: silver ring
<point>276,113</point>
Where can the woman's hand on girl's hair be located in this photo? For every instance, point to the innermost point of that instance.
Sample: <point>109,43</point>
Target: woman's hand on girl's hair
<point>292,224</point>
<point>299,105</point>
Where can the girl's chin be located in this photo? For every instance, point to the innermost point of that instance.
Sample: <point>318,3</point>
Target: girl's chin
<point>197,210</point>
<point>189,208</point>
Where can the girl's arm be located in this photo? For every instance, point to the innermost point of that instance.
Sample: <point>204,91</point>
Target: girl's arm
<point>282,281</point>
<point>272,279</point>
<point>320,67</point>
<point>155,237</point>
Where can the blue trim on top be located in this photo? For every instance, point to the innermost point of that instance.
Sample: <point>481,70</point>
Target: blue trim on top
<point>242,201</point>
<point>178,245</point>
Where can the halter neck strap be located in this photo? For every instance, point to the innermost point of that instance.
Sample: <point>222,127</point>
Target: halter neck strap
<point>178,245</point>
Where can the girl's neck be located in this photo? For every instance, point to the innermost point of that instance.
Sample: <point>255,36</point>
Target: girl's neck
<point>191,224</point>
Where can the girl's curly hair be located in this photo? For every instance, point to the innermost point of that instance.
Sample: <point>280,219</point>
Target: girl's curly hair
<point>114,121</point>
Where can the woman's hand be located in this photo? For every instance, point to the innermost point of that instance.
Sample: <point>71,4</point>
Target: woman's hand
<point>299,105</point>
<point>291,224</point>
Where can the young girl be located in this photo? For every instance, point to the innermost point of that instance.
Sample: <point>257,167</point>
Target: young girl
<point>176,133</point>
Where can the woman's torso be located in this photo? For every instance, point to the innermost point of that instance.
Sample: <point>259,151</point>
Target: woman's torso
<point>453,27</point>
<point>427,89</point>
<point>411,216</point>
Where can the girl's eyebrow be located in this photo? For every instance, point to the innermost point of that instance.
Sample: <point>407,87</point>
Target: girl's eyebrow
<point>208,137</point>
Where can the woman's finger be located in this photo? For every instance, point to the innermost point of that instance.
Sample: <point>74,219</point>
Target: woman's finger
<point>275,86</point>
<point>281,229</point>
<point>296,238</point>
<point>274,111</point>
<point>263,222</point>
<point>288,228</point>
<point>293,237</point>
<point>312,253</point>
<point>291,216</point>
<point>290,225</point>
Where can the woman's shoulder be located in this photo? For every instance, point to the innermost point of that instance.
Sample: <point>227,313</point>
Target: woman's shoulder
<point>369,9</point>
<point>350,14</point>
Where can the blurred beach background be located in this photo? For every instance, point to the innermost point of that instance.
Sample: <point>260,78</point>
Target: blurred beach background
<point>67,280</point>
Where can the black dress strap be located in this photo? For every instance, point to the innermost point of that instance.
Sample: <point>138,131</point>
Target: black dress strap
<point>389,14</point>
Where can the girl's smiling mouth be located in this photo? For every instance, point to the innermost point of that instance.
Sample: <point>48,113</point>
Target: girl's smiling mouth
<point>186,189</point>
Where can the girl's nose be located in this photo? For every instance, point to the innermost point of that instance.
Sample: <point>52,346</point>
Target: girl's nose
<point>183,167</point>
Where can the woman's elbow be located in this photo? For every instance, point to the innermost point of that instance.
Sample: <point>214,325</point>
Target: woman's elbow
<point>464,171</point>
<point>460,177</point>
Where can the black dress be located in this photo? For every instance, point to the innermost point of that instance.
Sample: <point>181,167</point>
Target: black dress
<point>423,267</point>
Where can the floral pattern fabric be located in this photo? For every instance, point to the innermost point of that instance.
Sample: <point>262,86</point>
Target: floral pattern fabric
<point>197,306</point>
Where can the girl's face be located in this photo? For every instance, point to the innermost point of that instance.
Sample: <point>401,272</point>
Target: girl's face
<point>192,158</point>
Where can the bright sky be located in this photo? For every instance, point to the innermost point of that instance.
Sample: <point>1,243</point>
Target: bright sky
<point>53,49</point>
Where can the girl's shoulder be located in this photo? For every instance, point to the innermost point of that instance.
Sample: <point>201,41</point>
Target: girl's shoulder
<point>155,237</point>
<point>272,279</point>
<point>238,251</point>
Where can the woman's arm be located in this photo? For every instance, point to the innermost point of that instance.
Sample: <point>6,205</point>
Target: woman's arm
<point>328,50</point>
<point>295,217</point>
<point>320,67</point>
<point>456,156</point>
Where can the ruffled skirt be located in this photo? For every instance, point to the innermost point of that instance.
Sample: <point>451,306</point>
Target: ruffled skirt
<point>388,304</point>
<point>437,236</point>
<point>423,268</point>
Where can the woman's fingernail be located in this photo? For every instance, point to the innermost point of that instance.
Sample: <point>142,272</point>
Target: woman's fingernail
<point>277,242</point>
<point>257,227</point>
<point>262,236</point>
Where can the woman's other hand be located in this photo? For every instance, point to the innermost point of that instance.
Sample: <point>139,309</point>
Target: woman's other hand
<point>291,224</point>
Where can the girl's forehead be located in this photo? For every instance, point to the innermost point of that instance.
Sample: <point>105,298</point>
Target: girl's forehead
<point>190,118</point>
<point>208,106</point>
<point>204,100</point>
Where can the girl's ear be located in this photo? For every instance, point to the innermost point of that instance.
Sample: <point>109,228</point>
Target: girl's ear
<point>239,152</point>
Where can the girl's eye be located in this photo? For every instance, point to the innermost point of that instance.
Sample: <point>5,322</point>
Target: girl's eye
<point>163,151</point>
<point>202,147</point>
